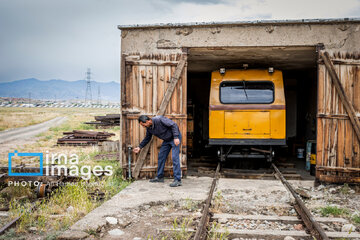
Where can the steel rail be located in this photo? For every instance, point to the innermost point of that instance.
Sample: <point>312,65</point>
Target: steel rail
<point>312,225</point>
<point>9,224</point>
<point>205,214</point>
<point>14,221</point>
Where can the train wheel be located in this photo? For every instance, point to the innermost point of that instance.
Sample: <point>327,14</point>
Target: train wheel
<point>221,154</point>
<point>271,156</point>
<point>42,190</point>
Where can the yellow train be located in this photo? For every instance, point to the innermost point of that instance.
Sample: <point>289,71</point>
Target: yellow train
<point>247,115</point>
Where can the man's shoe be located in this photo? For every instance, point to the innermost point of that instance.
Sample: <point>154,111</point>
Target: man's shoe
<point>175,183</point>
<point>157,180</point>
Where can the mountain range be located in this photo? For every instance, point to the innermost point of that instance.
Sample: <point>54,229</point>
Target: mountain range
<point>59,89</point>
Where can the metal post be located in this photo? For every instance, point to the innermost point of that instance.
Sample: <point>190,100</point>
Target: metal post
<point>129,160</point>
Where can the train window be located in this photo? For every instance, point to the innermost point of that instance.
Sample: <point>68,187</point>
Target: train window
<point>247,92</point>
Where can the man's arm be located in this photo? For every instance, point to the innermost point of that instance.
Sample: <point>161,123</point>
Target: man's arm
<point>169,123</point>
<point>146,140</point>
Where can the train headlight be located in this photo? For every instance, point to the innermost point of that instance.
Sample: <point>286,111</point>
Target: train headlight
<point>222,70</point>
<point>271,69</point>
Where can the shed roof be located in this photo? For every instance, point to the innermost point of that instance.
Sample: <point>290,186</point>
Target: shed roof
<point>241,23</point>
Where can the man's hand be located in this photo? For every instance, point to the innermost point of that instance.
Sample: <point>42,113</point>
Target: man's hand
<point>176,141</point>
<point>136,150</point>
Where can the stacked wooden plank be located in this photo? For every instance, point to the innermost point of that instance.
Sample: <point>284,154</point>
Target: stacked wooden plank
<point>109,120</point>
<point>77,138</point>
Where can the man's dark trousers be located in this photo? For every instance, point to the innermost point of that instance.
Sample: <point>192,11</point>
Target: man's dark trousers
<point>166,146</point>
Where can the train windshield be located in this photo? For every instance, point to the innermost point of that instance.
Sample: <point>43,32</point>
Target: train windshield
<point>247,92</point>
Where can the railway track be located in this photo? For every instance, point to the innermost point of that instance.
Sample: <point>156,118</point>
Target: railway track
<point>251,226</point>
<point>43,192</point>
<point>13,221</point>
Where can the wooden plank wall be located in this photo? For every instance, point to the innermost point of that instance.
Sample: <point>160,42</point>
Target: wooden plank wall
<point>338,149</point>
<point>147,78</point>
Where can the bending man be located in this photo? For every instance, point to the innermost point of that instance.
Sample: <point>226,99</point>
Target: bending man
<point>168,131</point>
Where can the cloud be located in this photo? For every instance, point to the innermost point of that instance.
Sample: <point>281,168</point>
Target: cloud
<point>198,1</point>
<point>238,10</point>
<point>61,38</point>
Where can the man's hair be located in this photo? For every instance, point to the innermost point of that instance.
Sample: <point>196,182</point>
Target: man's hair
<point>143,118</point>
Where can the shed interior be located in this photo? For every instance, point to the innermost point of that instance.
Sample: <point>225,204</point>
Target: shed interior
<point>299,66</point>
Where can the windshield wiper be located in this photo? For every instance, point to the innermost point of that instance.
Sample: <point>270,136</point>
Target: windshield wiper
<point>245,90</point>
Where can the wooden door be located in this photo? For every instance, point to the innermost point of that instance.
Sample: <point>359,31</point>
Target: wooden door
<point>143,88</point>
<point>338,149</point>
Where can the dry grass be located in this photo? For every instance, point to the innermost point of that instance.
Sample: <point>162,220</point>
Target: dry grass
<point>22,117</point>
<point>46,218</point>
<point>75,118</point>
<point>69,203</point>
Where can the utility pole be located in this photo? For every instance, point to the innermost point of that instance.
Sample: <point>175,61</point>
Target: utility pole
<point>99,98</point>
<point>29,98</point>
<point>88,94</point>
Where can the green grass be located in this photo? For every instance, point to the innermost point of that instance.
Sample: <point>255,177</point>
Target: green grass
<point>149,237</point>
<point>345,189</point>
<point>48,137</point>
<point>340,212</point>
<point>53,236</point>
<point>11,234</point>
<point>75,195</point>
<point>68,127</point>
<point>19,193</point>
<point>115,183</point>
<point>218,201</point>
<point>62,128</point>
<point>356,219</point>
<point>84,126</point>
<point>190,205</point>
<point>92,232</point>
<point>215,235</point>
<point>333,211</point>
<point>69,195</point>
<point>40,134</point>
<point>181,229</point>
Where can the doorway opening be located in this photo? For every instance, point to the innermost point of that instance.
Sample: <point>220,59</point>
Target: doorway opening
<point>299,67</point>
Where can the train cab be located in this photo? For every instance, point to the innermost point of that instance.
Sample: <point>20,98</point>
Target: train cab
<point>247,117</point>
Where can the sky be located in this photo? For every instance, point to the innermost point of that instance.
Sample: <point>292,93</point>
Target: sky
<point>60,39</point>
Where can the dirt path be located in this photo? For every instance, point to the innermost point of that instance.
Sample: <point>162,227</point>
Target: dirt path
<point>25,135</point>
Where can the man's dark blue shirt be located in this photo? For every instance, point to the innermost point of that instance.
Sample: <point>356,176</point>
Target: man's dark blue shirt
<point>163,128</point>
